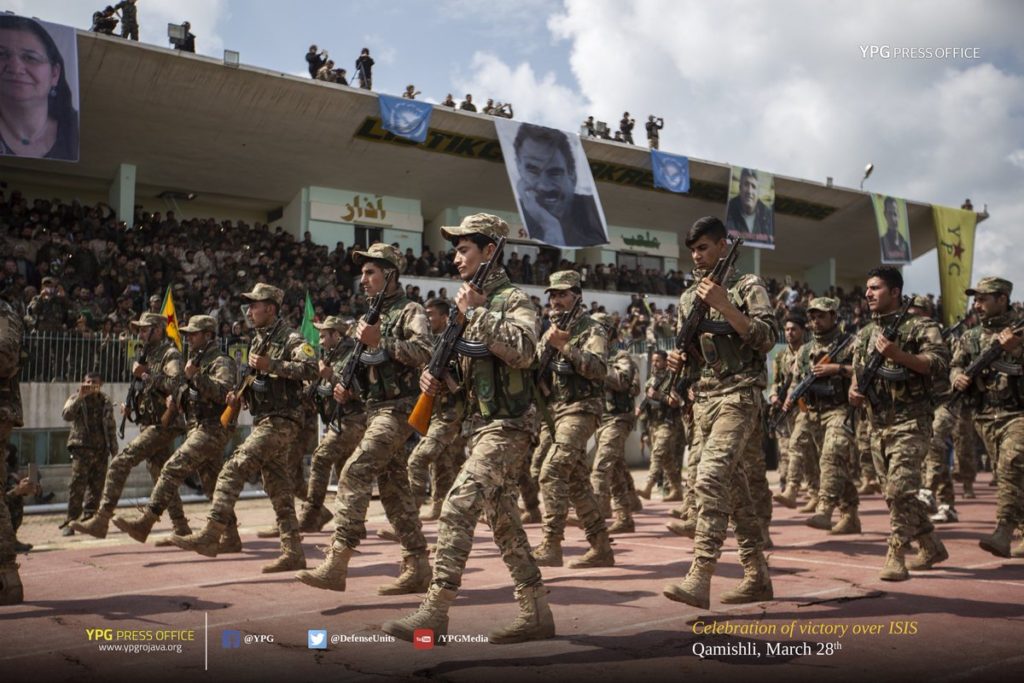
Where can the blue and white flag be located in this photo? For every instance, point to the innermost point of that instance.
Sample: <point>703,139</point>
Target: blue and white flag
<point>671,171</point>
<point>407,118</point>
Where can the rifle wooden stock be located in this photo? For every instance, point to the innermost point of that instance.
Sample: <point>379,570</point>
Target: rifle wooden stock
<point>419,418</point>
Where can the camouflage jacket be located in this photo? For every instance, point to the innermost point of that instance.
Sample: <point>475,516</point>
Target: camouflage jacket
<point>278,392</point>
<point>904,394</point>
<point>580,368</point>
<point>826,392</point>
<point>11,331</point>
<point>202,398</point>
<point>658,410</point>
<point>164,362</point>
<point>726,360</point>
<point>998,391</point>
<point>47,314</point>
<point>782,372</point>
<point>622,385</point>
<point>92,422</point>
<point>323,390</point>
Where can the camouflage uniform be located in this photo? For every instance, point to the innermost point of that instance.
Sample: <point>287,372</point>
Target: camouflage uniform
<point>664,423</point>
<point>576,403</point>
<point>622,385</point>
<point>782,381</point>
<point>998,395</point>
<point>92,440</point>
<point>155,442</point>
<point>964,439</point>
<point>867,464</point>
<point>438,449</point>
<point>727,418</point>
<point>901,429</point>
<point>501,417</point>
<point>938,477</point>
<point>11,330</point>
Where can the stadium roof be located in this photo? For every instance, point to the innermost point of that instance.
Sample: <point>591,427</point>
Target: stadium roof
<point>250,137</point>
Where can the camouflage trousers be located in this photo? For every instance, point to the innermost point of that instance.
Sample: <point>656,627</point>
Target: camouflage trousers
<point>529,487</point>
<point>782,439</point>
<point>380,455</point>
<point>88,472</point>
<point>730,434</point>
<point>7,552</point>
<point>202,453</point>
<point>664,436</point>
<point>609,473</point>
<point>825,432</point>
<point>332,451</point>
<point>440,449</point>
<point>564,479</point>
<point>154,444</point>
<point>804,464</point>
<point>487,484</point>
<point>938,477</point>
<point>898,450</point>
<point>863,443</point>
<point>267,451</point>
<point>304,445</point>
<point>1004,440</point>
<point>689,504</point>
<point>964,440</point>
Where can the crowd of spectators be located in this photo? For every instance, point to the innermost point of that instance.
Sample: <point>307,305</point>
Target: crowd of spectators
<point>600,129</point>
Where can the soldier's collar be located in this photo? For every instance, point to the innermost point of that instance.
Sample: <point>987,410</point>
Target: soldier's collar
<point>1000,321</point>
<point>882,316</point>
<point>496,280</point>
<point>828,336</point>
<point>392,298</point>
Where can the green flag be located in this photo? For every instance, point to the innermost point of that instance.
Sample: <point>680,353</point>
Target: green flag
<point>307,328</point>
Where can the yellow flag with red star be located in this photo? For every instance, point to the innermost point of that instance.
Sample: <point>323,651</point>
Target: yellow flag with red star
<point>172,318</point>
<point>954,238</point>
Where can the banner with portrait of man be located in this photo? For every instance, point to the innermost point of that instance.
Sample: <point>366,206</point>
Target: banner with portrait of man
<point>39,89</point>
<point>750,210</point>
<point>893,228</point>
<point>552,184</point>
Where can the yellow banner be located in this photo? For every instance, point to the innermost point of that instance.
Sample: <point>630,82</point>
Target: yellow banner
<point>954,235</point>
<point>172,318</point>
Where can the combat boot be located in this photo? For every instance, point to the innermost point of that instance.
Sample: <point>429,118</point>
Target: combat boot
<point>206,542</point>
<point>812,504</point>
<point>969,493</point>
<point>822,520</point>
<point>414,577</point>
<point>313,518</point>
<point>695,588</point>
<point>432,614</point>
<point>599,555</point>
<point>686,528</point>
<point>678,512</point>
<point>434,512</point>
<point>531,516</point>
<point>623,523</point>
<point>849,523</point>
<point>181,528</point>
<point>387,535</point>
<point>674,495</point>
<point>645,492</point>
<point>930,552</point>
<point>331,573</point>
<point>638,505</point>
<point>94,526</point>
<point>868,487</point>
<point>1018,550</point>
<point>999,542</point>
<point>291,556</point>
<point>11,590</point>
<point>269,532</point>
<point>534,621</point>
<point>548,553</point>
<point>895,568</point>
<point>230,541</point>
<point>766,537</point>
<point>756,585</point>
<point>138,527</point>
<point>787,498</point>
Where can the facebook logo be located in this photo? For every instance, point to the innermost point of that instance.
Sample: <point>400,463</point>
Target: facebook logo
<point>316,639</point>
<point>230,639</point>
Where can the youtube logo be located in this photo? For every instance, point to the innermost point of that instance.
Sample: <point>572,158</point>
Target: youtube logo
<point>423,638</point>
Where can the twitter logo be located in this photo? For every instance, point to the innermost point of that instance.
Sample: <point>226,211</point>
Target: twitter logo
<point>316,639</point>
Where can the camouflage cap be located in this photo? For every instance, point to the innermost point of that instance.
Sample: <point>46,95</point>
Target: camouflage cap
<point>824,303</point>
<point>264,292</point>
<point>991,285</point>
<point>333,322</point>
<point>918,301</point>
<point>379,250</point>
<point>478,224</point>
<point>564,279</point>
<point>149,320</point>
<point>200,323</point>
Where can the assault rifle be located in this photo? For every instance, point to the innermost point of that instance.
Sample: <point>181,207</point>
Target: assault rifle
<point>131,401</point>
<point>172,410</point>
<point>954,331</point>
<point>230,412</point>
<point>873,367</point>
<point>547,357</point>
<point>988,358</point>
<point>794,397</point>
<point>450,342</point>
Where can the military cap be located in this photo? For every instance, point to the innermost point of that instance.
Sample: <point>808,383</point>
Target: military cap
<point>148,319</point>
<point>155,297</point>
<point>200,323</point>
<point>264,292</point>
<point>333,322</point>
<point>478,224</point>
<point>49,281</point>
<point>991,285</point>
<point>824,303</point>
<point>918,301</point>
<point>564,279</point>
<point>381,251</point>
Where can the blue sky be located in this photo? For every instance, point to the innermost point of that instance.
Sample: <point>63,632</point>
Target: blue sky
<point>780,86</point>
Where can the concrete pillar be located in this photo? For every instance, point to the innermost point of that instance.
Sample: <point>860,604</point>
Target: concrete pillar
<point>749,261</point>
<point>122,193</point>
<point>821,276</point>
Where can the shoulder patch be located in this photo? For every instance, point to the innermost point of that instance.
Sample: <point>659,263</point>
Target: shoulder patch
<point>307,350</point>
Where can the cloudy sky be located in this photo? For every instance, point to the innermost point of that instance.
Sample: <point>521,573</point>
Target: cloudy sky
<point>789,87</point>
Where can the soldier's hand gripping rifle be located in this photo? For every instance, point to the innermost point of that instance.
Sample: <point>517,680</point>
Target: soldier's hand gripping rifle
<point>547,357</point>
<point>873,368</point>
<point>347,379</point>
<point>131,400</point>
<point>231,412</point>
<point>794,396</point>
<point>172,411</point>
<point>989,358</point>
<point>450,342</point>
<point>690,328</point>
